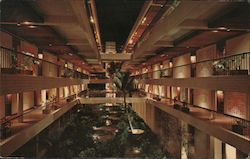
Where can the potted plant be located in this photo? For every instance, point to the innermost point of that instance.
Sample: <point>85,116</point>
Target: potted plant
<point>237,127</point>
<point>220,67</point>
<point>185,108</point>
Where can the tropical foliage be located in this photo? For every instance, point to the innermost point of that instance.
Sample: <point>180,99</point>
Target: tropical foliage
<point>76,140</point>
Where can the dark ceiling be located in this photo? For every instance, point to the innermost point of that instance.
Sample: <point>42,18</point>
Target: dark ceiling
<point>116,19</point>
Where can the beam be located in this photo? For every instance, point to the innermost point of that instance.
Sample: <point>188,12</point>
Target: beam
<point>77,42</point>
<point>193,24</point>
<point>49,21</point>
<point>119,57</point>
<point>163,43</point>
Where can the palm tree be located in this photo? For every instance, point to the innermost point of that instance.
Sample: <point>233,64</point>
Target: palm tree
<point>124,83</point>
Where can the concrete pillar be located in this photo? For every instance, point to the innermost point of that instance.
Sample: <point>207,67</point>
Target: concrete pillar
<point>58,94</point>
<point>247,105</point>
<point>201,144</point>
<point>2,106</point>
<point>20,107</point>
<point>69,90</point>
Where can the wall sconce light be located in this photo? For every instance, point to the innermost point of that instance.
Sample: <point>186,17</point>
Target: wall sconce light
<point>161,66</point>
<point>170,64</point>
<point>193,59</point>
<point>40,56</point>
<point>65,65</point>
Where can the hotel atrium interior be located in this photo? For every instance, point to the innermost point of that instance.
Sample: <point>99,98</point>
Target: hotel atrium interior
<point>125,79</point>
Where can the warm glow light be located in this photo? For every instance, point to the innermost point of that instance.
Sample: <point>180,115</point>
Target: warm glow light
<point>66,65</point>
<point>215,31</point>
<point>170,64</point>
<point>32,26</point>
<point>193,59</point>
<point>91,19</point>
<point>178,88</point>
<point>222,28</point>
<point>161,66</point>
<point>27,23</point>
<point>143,20</point>
<point>40,56</point>
<point>130,41</point>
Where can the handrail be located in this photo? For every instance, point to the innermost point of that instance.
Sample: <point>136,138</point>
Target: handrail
<point>38,59</point>
<point>192,105</point>
<point>189,64</point>
<point>34,108</point>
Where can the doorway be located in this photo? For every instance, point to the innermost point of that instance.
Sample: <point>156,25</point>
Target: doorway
<point>220,101</point>
<point>8,105</point>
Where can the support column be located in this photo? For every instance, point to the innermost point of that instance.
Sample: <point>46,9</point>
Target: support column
<point>247,105</point>
<point>20,107</point>
<point>69,90</point>
<point>201,144</point>
<point>2,106</point>
<point>58,94</point>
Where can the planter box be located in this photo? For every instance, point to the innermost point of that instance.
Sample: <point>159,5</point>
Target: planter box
<point>238,72</point>
<point>177,106</point>
<point>185,109</point>
<point>238,129</point>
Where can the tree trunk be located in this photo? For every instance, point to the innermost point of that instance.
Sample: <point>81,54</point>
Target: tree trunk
<point>125,103</point>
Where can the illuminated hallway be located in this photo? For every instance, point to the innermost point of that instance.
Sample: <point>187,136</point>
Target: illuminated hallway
<point>189,62</point>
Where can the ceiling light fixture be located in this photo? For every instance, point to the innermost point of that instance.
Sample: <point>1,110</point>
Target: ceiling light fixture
<point>222,28</point>
<point>130,41</point>
<point>215,31</point>
<point>143,20</point>
<point>32,26</point>
<point>27,23</point>
<point>92,19</point>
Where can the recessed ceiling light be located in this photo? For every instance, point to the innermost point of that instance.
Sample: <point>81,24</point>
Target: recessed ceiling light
<point>27,23</point>
<point>32,26</point>
<point>215,31</point>
<point>92,19</point>
<point>222,28</point>
<point>130,41</point>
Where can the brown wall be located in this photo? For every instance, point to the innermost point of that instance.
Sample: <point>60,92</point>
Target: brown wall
<point>48,68</point>
<point>184,71</point>
<point>235,104</point>
<point>204,69</point>
<point>204,98</point>
<point>5,40</point>
<point>28,100</point>
<point>239,44</point>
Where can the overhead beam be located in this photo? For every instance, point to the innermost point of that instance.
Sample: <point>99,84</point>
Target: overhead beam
<point>163,43</point>
<point>193,24</point>
<point>77,42</point>
<point>116,57</point>
<point>49,21</point>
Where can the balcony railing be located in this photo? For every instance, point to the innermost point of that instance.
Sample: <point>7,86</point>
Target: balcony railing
<point>13,62</point>
<point>235,124</point>
<point>7,127</point>
<point>231,65</point>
